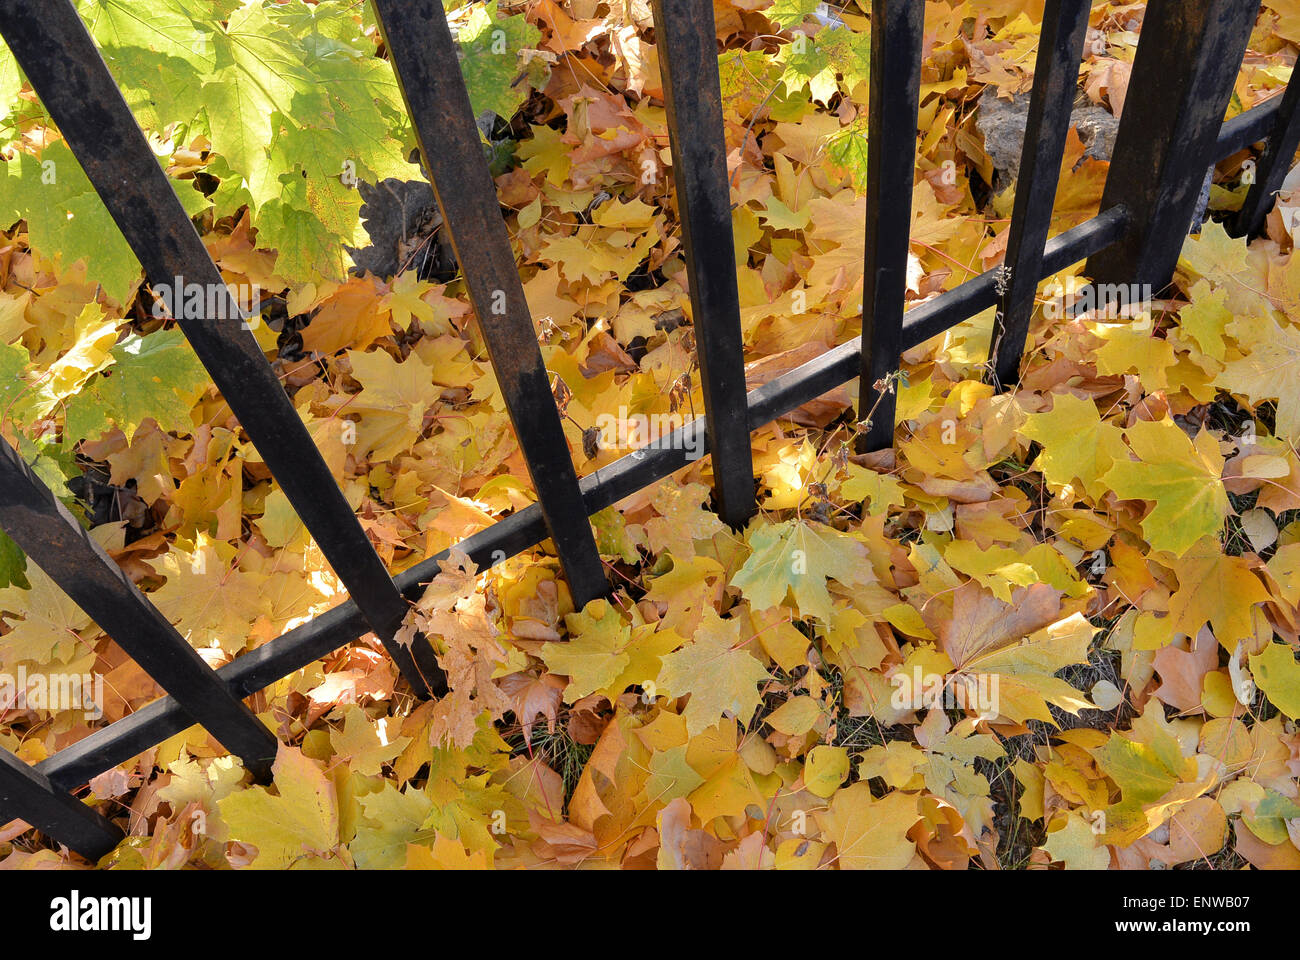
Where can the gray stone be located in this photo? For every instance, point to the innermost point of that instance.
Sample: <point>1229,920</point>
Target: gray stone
<point>1002,123</point>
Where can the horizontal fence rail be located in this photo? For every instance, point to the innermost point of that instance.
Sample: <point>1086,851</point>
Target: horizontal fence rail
<point>507,538</point>
<point>27,793</point>
<point>1185,65</point>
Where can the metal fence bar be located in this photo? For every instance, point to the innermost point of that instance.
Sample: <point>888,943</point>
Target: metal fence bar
<point>897,27</point>
<point>60,59</point>
<point>27,794</point>
<point>686,37</point>
<point>1056,83</point>
<point>52,538</point>
<point>1249,127</point>
<point>428,71</point>
<point>1273,165</point>
<point>1186,63</point>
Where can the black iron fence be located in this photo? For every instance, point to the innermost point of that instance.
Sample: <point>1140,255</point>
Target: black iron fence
<point>1170,133</point>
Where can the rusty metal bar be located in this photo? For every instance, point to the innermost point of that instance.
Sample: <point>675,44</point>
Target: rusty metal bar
<point>687,40</point>
<point>897,28</point>
<point>1056,83</point>
<point>424,58</point>
<point>1273,165</point>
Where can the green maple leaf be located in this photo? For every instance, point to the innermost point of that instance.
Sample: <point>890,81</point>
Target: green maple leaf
<point>717,671</point>
<point>390,820</point>
<point>745,76</point>
<point>790,13</point>
<point>13,564</point>
<point>1182,479</point>
<point>490,48</point>
<point>299,120</point>
<point>594,655</point>
<point>13,362</point>
<point>1143,773</point>
<point>798,557</point>
<point>806,63</point>
<point>849,52</point>
<point>158,58</point>
<point>324,27</point>
<point>297,107</point>
<point>11,78</point>
<point>1268,820</point>
<point>310,225</point>
<point>612,536</point>
<point>1152,774</point>
<point>847,148</point>
<point>66,220</point>
<point>249,96</point>
<point>154,376</point>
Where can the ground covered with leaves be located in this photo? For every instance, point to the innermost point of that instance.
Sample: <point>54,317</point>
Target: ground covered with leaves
<point>1053,627</point>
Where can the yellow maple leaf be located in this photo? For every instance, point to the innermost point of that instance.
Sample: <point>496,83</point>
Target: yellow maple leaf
<point>355,315</point>
<point>295,827</point>
<point>1077,443</point>
<point>1268,370</point>
<point>798,557</point>
<point>870,834</point>
<point>717,670</point>
<point>45,625</point>
<point>1217,589</point>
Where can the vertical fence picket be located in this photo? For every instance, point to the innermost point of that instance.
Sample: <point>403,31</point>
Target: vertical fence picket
<point>687,40</point>
<point>60,59</point>
<point>27,794</point>
<point>1187,60</point>
<point>1056,81</point>
<point>1273,165</point>
<point>424,58</point>
<point>52,538</point>
<point>897,27</point>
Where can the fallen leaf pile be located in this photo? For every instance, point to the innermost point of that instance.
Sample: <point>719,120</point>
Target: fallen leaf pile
<point>1053,627</point>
